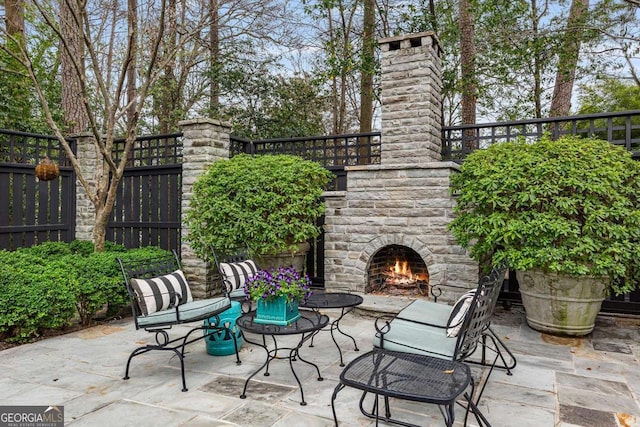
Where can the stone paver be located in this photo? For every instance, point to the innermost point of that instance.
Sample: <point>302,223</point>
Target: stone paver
<point>593,381</point>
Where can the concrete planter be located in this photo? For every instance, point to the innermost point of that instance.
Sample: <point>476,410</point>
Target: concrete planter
<point>295,259</point>
<point>560,304</point>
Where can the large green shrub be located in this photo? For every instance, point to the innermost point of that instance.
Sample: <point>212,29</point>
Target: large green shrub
<point>49,285</point>
<point>270,202</point>
<point>569,206</point>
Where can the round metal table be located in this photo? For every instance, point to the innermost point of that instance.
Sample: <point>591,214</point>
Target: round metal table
<point>342,300</point>
<point>309,323</point>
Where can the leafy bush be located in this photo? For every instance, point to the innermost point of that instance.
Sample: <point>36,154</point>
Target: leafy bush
<point>47,286</point>
<point>270,202</point>
<point>569,206</point>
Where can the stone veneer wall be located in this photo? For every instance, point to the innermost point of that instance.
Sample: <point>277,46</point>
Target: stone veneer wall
<point>205,141</point>
<point>406,199</point>
<point>87,157</point>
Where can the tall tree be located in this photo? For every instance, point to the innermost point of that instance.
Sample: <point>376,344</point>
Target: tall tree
<point>568,59</point>
<point>111,105</point>
<point>467,62</point>
<point>75,114</point>
<point>367,67</point>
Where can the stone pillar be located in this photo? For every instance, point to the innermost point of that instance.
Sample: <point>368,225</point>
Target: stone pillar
<point>88,158</point>
<point>205,141</point>
<point>411,82</point>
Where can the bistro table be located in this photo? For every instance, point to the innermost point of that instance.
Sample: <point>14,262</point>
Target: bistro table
<point>309,323</point>
<point>406,376</point>
<point>345,301</point>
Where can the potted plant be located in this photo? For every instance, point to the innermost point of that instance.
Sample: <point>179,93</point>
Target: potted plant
<point>565,214</point>
<point>269,202</point>
<point>277,293</point>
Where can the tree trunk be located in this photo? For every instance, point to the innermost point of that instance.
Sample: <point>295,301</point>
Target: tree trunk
<point>214,54</point>
<point>14,13</point>
<point>367,68</point>
<point>568,59</point>
<point>468,70</point>
<point>75,115</point>
<point>132,6</point>
<point>168,87</point>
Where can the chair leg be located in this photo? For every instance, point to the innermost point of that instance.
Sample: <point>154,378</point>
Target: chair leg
<point>501,346</point>
<point>336,390</point>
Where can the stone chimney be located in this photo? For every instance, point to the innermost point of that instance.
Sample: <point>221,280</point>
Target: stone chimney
<point>411,99</point>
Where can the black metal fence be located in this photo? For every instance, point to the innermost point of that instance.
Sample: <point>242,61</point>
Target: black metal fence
<point>333,152</point>
<point>34,211</point>
<point>147,211</point>
<point>620,128</point>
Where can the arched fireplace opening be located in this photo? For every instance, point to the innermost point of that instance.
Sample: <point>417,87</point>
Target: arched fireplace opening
<point>397,270</point>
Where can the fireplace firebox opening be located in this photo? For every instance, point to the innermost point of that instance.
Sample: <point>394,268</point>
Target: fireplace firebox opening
<point>397,270</point>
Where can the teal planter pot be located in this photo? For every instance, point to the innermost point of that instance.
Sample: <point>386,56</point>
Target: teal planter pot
<point>278,311</point>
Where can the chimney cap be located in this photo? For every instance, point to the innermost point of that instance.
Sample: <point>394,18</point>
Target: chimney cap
<point>409,41</point>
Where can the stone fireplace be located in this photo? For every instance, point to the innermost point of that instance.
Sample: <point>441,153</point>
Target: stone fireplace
<point>400,208</point>
<point>397,270</point>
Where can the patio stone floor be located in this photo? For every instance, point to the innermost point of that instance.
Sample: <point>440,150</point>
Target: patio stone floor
<point>589,382</point>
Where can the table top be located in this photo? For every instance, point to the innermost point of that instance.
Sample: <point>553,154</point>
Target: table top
<point>309,321</point>
<point>408,376</point>
<point>321,299</point>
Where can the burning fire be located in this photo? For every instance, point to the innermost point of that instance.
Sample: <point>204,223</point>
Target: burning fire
<point>400,272</point>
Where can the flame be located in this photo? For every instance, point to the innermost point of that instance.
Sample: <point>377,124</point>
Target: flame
<point>400,272</point>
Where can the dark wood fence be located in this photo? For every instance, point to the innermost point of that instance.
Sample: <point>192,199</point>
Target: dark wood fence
<point>148,210</point>
<point>34,211</point>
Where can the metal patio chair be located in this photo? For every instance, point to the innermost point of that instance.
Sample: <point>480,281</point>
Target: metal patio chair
<point>161,298</point>
<point>455,340</point>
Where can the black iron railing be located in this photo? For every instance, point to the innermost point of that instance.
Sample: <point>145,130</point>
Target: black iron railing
<point>329,151</point>
<point>620,128</point>
<point>152,150</point>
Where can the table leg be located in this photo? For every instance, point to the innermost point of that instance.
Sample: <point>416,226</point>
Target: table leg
<point>265,364</point>
<point>335,325</point>
<point>273,354</point>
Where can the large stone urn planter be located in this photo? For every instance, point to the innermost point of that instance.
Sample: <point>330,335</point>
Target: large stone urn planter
<point>561,304</point>
<point>296,259</point>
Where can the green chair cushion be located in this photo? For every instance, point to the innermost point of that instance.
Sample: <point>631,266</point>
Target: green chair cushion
<point>189,312</point>
<point>409,337</point>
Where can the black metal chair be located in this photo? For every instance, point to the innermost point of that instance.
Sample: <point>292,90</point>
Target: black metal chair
<point>455,340</point>
<point>161,298</point>
<point>437,313</point>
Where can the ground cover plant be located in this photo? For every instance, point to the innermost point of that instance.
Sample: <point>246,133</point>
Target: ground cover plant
<point>55,285</point>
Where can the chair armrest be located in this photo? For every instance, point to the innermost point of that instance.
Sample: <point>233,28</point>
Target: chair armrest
<point>383,324</point>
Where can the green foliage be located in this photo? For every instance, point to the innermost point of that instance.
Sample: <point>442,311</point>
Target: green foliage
<point>48,285</point>
<point>569,206</point>
<point>270,106</point>
<point>609,95</point>
<point>270,202</point>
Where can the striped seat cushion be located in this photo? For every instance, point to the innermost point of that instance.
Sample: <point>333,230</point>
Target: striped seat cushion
<point>161,293</point>
<point>236,273</point>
